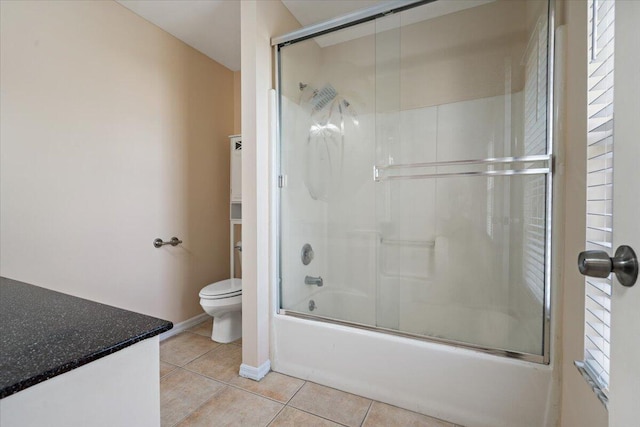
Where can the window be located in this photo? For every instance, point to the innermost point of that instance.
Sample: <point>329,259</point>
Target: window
<point>599,188</point>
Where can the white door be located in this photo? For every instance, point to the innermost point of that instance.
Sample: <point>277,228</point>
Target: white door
<point>624,387</point>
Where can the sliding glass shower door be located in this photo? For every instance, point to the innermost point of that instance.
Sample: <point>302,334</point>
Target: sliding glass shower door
<point>417,175</point>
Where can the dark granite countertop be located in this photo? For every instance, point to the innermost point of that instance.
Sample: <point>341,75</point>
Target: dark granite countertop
<point>44,333</point>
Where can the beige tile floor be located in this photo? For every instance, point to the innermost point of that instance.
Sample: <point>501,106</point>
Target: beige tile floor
<point>200,386</point>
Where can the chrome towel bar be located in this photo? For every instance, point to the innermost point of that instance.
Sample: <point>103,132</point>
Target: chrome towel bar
<point>545,166</point>
<point>492,160</point>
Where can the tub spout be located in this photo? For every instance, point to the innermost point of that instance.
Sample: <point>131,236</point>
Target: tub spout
<point>310,280</point>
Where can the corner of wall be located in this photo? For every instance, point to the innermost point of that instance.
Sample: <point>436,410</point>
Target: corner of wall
<point>237,103</point>
<point>260,21</point>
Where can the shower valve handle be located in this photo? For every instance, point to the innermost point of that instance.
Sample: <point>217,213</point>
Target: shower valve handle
<point>310,280</point>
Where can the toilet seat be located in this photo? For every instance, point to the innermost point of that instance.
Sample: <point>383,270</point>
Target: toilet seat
<point>223,289</point>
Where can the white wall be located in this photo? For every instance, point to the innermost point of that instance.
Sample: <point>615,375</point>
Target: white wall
<point>113,133</point>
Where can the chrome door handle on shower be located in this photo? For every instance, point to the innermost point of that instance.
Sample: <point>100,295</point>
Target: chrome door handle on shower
<point>158,243</point>
<point>598,264</point>
<point>310,280</point>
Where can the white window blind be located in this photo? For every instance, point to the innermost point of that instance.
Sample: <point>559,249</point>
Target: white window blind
<point>599,187</point>
<point>535,142</point>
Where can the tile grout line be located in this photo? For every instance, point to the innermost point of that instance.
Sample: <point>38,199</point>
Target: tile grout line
<point>208,377</point>
<point>203,354</point>
<point>325,418</point>
<point>366,415</point>
<point>199,406</point>
<point>257,394</point>
<point>275,416</point>
<point>174,368</point>
<point>228,384</point>
<point>316,415</point>
<point>306,411</point>
<point>201,374</point>
<point>196,357</point>
<point>288,404</point>
<point>304,382</point>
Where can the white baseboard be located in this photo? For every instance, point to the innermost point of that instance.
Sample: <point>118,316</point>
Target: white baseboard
<point>183,326</point>
<point>254,373</point>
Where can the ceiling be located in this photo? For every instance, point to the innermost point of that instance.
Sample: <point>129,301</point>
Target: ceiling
<point>213,26</point>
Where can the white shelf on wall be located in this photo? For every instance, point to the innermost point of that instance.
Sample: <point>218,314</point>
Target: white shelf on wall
<point>235,203</point>
<point>236,168</point>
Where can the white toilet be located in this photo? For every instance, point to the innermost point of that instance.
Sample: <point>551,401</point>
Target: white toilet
<point>223,301</point>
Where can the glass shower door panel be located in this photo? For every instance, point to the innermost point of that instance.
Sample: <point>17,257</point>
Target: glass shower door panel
<point>327,133</point>
<point>467,275</point>
<point>415,166</point>
<point>461,101</point>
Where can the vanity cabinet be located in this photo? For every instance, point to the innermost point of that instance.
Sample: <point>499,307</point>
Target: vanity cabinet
<point>70,362</point>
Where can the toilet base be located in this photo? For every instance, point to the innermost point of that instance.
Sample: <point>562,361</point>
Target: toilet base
<point>227,327</point>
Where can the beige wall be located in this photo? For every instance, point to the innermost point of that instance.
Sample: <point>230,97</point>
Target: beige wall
<point>113,133</point>
<point>440,65</point>
<point>237,103</point>
<point>580,406</point>
<point>301,63</point>
<point>433,62</point>
<point>260,21</point>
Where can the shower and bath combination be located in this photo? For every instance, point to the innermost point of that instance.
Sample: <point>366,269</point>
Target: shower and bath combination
<point>461,171</point>
<point>444,250</point>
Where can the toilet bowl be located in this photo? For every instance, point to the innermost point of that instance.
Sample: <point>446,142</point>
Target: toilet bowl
<point>223,301</point>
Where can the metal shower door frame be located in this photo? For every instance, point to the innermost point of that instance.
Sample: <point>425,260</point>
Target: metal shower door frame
<point>279,179</point>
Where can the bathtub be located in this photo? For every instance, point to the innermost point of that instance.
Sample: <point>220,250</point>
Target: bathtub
<point>344,304</point>
<point>459,385</point>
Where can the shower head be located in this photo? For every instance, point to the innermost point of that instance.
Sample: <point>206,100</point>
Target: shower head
<point>323,97</point>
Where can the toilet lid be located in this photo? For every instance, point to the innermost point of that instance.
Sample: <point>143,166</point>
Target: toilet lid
<point>223,289</point>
